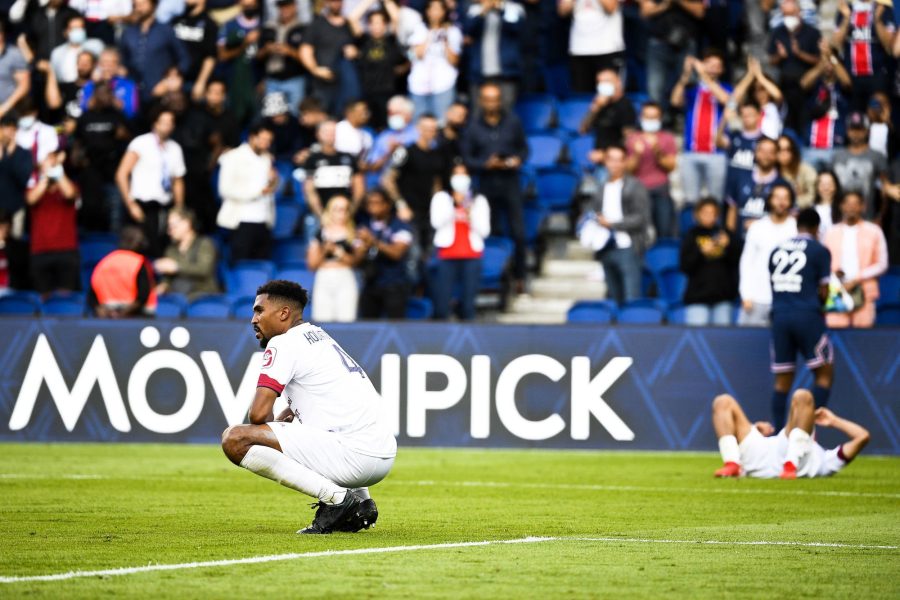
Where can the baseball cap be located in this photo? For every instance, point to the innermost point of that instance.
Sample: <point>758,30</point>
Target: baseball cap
<point>857,120</point>
<point>274,104</point>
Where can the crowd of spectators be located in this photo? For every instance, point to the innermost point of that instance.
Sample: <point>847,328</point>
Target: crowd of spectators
<point>392,125</point>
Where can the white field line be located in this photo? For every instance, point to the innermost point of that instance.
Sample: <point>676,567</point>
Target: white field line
<point>397,549</point>
<point>505,484</point>
<point>636,488</point>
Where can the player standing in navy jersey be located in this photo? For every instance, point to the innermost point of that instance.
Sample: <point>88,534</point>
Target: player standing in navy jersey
<point>799,269</point>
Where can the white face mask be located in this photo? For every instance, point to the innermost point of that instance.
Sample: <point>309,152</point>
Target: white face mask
<point>792,22</point>
<point>26,122</point>
<point>606,89</point>
<point>77,36</point>
<point>461,183</point>
<point>55,172</point>
<point>651,125</point>
<point>396,122</point>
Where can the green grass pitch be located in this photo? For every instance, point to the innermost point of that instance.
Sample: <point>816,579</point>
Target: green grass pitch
<point>615,524</point>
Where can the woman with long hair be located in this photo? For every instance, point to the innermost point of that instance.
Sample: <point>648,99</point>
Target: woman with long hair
<point>798,173</point>
<point>827,193</point>
<point>333,254</point>
<point>436,47</point>
<point>461,220</point>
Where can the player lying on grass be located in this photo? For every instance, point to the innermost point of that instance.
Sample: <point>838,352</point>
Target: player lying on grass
<point>328,442</point>
<point>751,449</point>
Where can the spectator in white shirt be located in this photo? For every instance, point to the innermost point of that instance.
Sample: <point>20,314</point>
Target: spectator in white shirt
<point>350,135</point>
<point>596,39</point>
<point>763,237</point>
<point>64,58</point>
<point>247,184</point>
<point>435,50</point>
<point>151,178</point>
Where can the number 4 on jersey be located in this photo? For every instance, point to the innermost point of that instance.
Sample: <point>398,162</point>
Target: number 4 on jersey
<point>349,362</point>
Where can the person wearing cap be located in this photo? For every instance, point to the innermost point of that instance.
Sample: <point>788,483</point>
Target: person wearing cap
<point>858,167</point>
<point>276,114</point>
<point>279,53</point>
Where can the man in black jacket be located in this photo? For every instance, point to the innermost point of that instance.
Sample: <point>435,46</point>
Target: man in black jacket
<point>494,147</point>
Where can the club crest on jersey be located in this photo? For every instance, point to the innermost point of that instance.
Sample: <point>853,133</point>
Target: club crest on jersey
<point>268,357</point>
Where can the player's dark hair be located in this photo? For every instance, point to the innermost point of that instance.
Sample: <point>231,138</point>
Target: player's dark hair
<point>808,220</point>
<point>287,291</point>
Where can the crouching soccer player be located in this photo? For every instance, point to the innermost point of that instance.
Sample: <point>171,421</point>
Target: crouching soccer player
<point>751,449</point>
<point>328,442</point>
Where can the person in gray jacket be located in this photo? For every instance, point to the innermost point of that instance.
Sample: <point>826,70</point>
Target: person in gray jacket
<point>622,206</point>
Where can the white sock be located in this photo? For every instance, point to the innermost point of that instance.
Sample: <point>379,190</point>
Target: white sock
<point>361,492</point>
<point>729,449</point>
<point>272,464</point>
<point>798,446</point>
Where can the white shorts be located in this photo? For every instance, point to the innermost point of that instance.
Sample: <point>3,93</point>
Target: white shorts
<point>326,454</point>
<point>763,457</point>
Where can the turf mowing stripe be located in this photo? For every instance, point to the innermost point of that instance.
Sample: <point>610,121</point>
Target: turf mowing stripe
<point>636,488</point>
<point>391,549</point>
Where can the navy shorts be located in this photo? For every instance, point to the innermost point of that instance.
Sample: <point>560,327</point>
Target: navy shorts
<point>803,333</point>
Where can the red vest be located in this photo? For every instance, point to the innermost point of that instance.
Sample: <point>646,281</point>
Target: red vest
<point>114,280</point>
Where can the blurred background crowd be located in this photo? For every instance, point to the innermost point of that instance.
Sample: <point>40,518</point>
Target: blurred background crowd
<point>407,159</point>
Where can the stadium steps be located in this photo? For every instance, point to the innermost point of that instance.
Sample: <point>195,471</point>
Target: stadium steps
<point>568,273</point>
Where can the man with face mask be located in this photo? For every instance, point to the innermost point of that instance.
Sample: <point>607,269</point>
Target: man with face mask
<point>611,115</point>
<point>64,57</point>
<point>35,136</point>
<point>415,176</point>
<point>401,132</point>
<point>793,48</point>
<point>651,157</point>
<point>149,49</point>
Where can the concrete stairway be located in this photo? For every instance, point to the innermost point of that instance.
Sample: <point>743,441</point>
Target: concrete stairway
<point>568,273</point>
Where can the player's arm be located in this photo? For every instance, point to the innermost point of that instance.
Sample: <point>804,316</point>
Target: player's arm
<point>859,435</point>
<point>261,411</point>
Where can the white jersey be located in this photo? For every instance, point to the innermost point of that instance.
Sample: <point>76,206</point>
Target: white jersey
<point>763,457</point>
<point>326,389</point>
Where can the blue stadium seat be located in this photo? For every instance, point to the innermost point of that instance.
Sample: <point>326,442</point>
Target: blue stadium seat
<point>536,112</point>
<point>572,112</point>
<point>493,266</point>
<point>210,307</point>
<point>419,309</point>
<point>543,150</point>
<point>592,311</point>
<point>92,250</point>
<point>579,149</point>
<point>888,315</point>
<point>888,289</point>
<point>304,277</point>
<point>504,243</point>
<point>675,315</point>
<point>64,305</point>
<point>171,306</point>
<point>292,250</point>
<point>556,188</point>
<point>661,257</point>
<point>638,314</point>
<point>534,216</point>
<point>648,283</point>
<point>671,284</point>
<point>242,308</point>
<point>247,275</point>
<point>686,220</point>
<point>286,216</point>
<point>19,305</point>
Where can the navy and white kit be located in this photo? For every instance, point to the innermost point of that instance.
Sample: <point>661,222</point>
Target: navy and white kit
<point>797,268</point>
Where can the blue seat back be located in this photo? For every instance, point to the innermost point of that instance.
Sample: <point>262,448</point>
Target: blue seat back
<point>543,150</point>
<point>209,307</point>
<point>556,189</point>
<point>419,309</point>
<point>589,311</point>
<point>572,112</point>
